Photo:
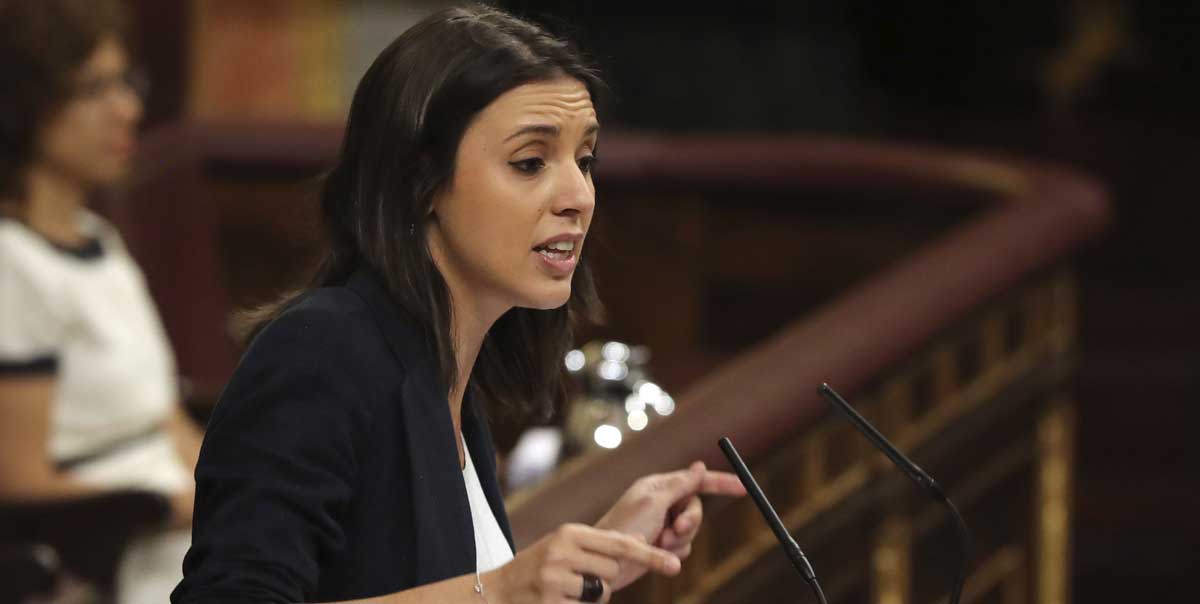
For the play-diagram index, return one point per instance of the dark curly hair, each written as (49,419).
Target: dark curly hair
(43,43)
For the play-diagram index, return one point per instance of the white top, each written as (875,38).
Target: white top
(87,319)
(491,548)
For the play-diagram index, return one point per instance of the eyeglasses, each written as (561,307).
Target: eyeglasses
(132,80)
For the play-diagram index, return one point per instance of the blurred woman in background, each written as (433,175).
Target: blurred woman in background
(88,394)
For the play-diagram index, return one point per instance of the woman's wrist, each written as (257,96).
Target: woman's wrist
(495,587)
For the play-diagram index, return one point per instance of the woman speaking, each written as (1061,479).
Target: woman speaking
(349,458)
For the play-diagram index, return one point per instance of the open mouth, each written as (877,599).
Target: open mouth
(559,250)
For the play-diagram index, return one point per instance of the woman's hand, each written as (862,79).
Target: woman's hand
(665,510)
(552,569)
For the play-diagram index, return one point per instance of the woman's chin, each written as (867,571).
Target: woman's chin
(551,299)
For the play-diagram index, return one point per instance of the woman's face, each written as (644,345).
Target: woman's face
(509,229)
(90,139)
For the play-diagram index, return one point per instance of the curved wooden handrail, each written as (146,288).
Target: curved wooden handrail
(1036,215)
(774,163)
(693,162)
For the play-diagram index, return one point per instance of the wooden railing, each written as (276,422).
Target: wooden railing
(961,350)
(954,331)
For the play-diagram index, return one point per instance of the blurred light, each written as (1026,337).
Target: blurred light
(650,393)
(634,403)
(665,405)
(608,436)
(615,351)
(613,370)
(575,360)
(638,420)
(534,456)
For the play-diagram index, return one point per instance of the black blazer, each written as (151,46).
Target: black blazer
(329,469)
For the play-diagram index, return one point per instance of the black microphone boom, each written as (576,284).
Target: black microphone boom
(914,472)
(790,547)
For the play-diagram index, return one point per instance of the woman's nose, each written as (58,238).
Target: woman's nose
(576,194)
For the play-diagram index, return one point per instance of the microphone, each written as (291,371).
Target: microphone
(915,473)
(790,547)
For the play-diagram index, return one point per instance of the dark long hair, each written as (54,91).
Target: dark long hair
(408,116)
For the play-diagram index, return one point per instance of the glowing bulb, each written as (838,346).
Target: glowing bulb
(650,392)
(634,403)
(608,436)
(665,405)
(638,420)
(613,370)
(615,351)
(575,360)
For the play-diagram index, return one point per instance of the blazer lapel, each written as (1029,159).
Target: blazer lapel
(440,501)
(439,497)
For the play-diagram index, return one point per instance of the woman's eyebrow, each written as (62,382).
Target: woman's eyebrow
(543,129)
(549,130)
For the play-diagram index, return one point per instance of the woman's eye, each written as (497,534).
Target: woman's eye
(528,166)
(587,163)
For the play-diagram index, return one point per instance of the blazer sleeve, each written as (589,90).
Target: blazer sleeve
(278,465)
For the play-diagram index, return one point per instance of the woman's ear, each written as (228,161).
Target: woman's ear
(435,200)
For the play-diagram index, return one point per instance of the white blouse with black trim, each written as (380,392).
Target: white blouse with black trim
(84,316)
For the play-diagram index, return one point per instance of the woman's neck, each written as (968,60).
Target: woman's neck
(472,313)
(52,206)
(469,328)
